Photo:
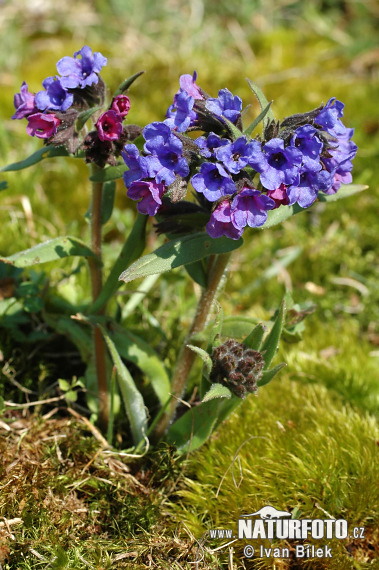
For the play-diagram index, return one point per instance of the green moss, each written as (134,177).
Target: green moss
(293,446)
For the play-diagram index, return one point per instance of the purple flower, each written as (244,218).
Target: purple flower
(279,195)
(306,190)
(209,144)
(121,105)
(249,208)
(226,105)
(340,164)
(166,149)
(81,72)
(180,114)
(24,103)
(213,181)
(329,116)
(137,164)
(282,164)
(149,193)
(42,125)
(310,146)
(157,131)
(238,154)
(221,224)
(109,126)
(187,84)
(55,97)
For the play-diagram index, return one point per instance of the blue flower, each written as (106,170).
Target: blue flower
(208,145)
(81,72)
(226,105)
(328,117)
(221,224)
(238,154)
(166,151)
(55,97)
(306,141)
(213,181)
(306,190)
(137,164)
(249,208)
(282,164)
(180,114)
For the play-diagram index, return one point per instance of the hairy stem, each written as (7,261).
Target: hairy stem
(187,356)
(96,283)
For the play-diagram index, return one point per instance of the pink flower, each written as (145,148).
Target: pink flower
(121,105)
(42,125)
(279,195)
(109,126)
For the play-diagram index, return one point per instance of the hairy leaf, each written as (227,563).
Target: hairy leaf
(50,251)
(178,252)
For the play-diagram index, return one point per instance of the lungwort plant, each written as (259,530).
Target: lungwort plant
(205,176)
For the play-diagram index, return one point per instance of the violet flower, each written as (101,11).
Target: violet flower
(24,103)
(213,181)
(226,105)
(81,72)
(55,97)
(221,224)
(149,193)
(249,208)
(282,164)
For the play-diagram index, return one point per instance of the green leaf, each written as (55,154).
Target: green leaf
(84,116)
(282,213)
(3,185)
(204,357)
(217,391)
(257,120)
(134,348)
(132,249)
(48,151)
(261,99)
(197,272)
(109,173)
(234,131)
(238,327)
(194,427)
(178,252)
(268,375)
(133,401)
(270,345)
(127,83)
(345,191)
(51,250)
(254,339)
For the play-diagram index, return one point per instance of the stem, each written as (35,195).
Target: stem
(97,283)
(187,356)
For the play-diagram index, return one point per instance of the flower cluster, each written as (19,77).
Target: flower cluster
(238,179)
(59,111)
(149,176)
(43,110)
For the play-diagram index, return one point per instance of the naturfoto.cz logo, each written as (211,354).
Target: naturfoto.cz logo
(275,524)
